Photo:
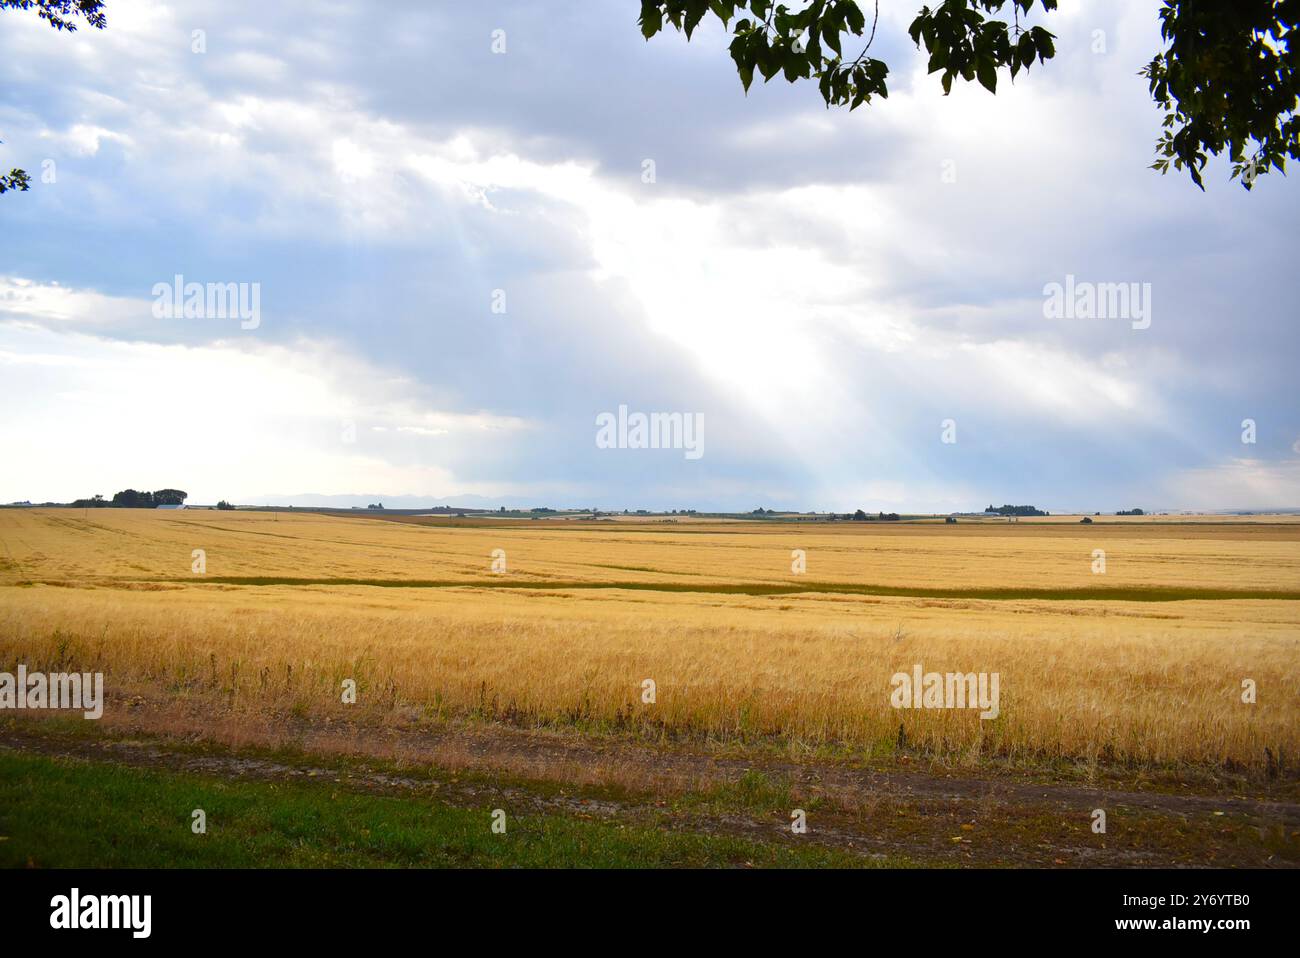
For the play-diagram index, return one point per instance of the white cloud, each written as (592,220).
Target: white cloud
(83,139)
(838,305)
(1240,484)
(50,303)
(223,421)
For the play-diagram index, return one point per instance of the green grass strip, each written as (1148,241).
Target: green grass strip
(60,812)
(1096,594)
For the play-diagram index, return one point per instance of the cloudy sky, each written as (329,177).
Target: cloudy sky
(460,264)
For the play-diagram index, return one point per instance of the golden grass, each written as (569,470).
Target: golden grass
(1080,678)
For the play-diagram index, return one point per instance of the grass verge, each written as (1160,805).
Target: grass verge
(59,812)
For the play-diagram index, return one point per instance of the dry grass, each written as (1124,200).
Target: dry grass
(1091,679)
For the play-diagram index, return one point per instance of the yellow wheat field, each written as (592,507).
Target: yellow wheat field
(1115,678)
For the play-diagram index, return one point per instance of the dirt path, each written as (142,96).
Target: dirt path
(926,817)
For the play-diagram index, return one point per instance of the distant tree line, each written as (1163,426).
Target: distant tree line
(1015,511)
(1130,512)
(134,499)
(859,516)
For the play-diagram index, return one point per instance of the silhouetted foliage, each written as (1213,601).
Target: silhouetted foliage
(61,15)
(15,179)
(1226,78)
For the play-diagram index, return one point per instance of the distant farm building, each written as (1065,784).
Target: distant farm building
(178,506)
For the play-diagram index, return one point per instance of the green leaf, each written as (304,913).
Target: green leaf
(856,19)
(793,64)
(724,10)
(1043,41)
(831,36)
(652,18)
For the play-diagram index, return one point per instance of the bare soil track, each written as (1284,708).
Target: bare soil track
(927,816)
